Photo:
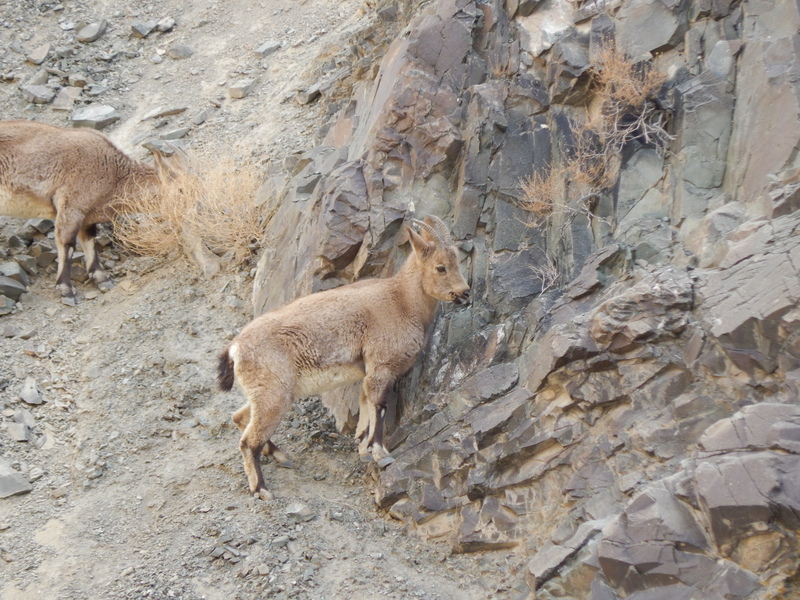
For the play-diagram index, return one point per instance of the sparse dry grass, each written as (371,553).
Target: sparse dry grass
(211,200)
(622,110)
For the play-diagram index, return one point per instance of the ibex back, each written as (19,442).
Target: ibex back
(74,176)
(371,330)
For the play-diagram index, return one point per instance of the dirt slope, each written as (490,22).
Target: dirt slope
(138,488)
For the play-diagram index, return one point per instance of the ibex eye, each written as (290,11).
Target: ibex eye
(441,269)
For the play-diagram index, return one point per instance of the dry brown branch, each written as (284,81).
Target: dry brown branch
(624,109)
(213,200)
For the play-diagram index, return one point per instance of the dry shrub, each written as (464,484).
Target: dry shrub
(624,94)
(211,200)
(539,193)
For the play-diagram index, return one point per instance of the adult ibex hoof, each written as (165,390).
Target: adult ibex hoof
(105,286)
(263,494)
(285,464)
(69,300)
(385,462)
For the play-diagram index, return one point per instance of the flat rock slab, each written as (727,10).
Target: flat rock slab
(92,32)
(95,116)
(12,482)
(38,94)
(241,88)
(11,288)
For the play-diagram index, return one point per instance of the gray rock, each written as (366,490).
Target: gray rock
(39,55)
(202,116)
(6,305)
(165,24)
(95,116)
(12,482)
(141,29)
(30,392)
(308,95)
(38,94)
(92,32)
(160,112)
(19,432)
(299,512)
(11,288)
(175,134)
(66,97)
(14,271)
(180,52)
(268,48)
(241,88)
(78,80)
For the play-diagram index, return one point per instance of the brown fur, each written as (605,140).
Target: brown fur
(371,330)
(74,176)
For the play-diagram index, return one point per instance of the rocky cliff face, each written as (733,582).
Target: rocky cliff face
(619,403)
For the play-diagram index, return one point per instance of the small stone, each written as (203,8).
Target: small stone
(308,96)
(30,392)
(166,24)
(11,288)
(180,52)
(92,294)
(19,432)
(14,271)
(6,305)
(95,116)
(12,482)
(39,55)
(241,88)
(161,111)
(66,97)
(201,117)
(175,134)
(268,48)
(78,80)
(23,415)
(299,512)
(35,473)
(92,32)
(38,94)
(141,29)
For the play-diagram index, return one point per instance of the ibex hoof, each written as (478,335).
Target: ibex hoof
(385,462)
(285,464)
(69,300)
(105,286)
(263,494)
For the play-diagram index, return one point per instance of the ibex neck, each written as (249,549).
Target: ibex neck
(420,305)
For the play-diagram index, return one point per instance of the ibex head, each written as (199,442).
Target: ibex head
(438,260)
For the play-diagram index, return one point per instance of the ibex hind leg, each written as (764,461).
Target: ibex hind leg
(242,417)
(87,239)
(65,244)
(267,407)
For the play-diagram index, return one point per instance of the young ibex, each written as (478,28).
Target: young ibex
(370,330)
(75,176)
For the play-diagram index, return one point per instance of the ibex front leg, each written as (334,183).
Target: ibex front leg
(372,409)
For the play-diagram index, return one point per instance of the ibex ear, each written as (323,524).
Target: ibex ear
(422,247)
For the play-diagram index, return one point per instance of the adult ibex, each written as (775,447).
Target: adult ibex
(77,177)
(370,330)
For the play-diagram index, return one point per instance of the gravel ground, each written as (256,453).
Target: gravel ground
(137,485)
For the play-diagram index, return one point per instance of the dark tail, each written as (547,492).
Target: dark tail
(225,371)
